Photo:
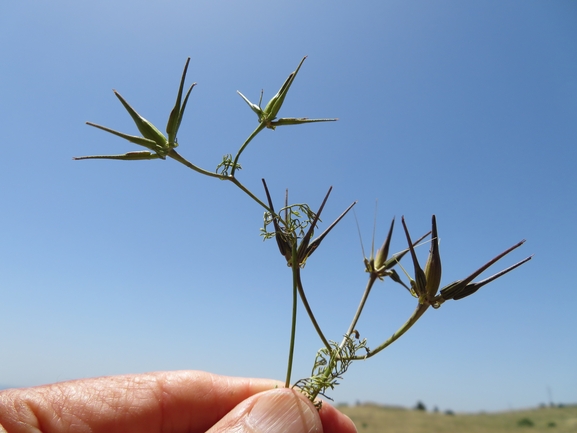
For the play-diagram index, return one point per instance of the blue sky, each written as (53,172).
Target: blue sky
(459,109)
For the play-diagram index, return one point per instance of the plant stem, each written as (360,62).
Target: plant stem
(309,310)
(247,192)
(176,156)
(335,353)
(259,128)
(419,311)
(295,267)
(370,284)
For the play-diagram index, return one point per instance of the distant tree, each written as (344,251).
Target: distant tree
(421,406)
(449,412)
(525,422)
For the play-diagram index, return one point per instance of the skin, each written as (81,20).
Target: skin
(179,401)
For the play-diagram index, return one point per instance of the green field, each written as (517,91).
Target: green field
(370,418)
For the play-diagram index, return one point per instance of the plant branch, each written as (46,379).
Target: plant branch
(176,156)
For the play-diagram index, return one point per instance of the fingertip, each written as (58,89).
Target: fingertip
(335,421)
(281,410)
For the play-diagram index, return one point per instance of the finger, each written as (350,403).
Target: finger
(335,421)
(280,410)
(283,410)
(181,401)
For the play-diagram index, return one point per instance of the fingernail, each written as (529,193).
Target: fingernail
(284,411)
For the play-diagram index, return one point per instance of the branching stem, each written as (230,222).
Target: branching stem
(176,156)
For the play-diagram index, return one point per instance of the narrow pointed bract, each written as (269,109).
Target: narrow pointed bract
(267,117)
(420,282)
(471,288)
(396,258)
(151,138)
(283,245)
(433,266)
(129,156)
(178,111)
(383,252)
(381,265)
(316,242)
(147,129)
(252,106)
(145,142)
(306,247)
(462,288)
(274,105)
(295,121)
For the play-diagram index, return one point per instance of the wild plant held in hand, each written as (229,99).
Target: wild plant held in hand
(293,227)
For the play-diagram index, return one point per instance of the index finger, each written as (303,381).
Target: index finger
(179,401)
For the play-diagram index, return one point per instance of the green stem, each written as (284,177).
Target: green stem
(295,266)
(247,192)
(353,324)
(309,310)
(259,128)
(419,311)
(335,355)
(373,277)
(176,156)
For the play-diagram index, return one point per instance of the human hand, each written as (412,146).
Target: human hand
(180,401)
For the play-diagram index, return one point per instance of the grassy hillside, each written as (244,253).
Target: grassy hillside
(371,418)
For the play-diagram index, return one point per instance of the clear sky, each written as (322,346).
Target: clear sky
(465,110)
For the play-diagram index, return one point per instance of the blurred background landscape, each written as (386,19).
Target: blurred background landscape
(463,110)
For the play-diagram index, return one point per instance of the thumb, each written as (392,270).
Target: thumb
(281,410)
